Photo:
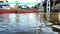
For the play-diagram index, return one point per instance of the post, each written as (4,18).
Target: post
(48,10)
(37,3)
(41,6)
(53,8)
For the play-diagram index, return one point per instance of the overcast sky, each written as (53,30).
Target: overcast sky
(26,1)
(31,1)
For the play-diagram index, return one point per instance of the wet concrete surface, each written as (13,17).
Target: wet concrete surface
(27,23)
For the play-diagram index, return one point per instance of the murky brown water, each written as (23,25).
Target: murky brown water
(55,17)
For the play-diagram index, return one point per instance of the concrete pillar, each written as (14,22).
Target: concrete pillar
(48,10)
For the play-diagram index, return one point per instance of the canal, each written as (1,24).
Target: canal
(25,23)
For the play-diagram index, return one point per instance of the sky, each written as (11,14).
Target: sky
(26,1)
(30,1)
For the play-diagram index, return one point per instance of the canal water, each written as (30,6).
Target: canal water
(26,23)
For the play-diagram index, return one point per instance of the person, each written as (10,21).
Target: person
(17,4)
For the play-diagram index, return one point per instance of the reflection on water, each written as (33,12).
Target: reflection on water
(27,23)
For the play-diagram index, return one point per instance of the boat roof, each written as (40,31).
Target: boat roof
(4,5)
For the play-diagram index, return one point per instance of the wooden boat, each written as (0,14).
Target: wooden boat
(20,11)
